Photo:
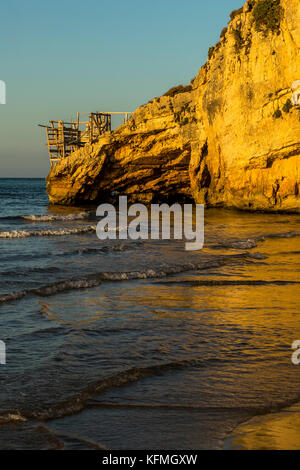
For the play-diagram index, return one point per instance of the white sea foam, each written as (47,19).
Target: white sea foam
(96,279)
(59,217)
(47,233)
(64,286)
(12,296)
(247,244)
(12,418)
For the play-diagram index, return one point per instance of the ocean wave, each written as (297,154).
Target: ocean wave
(31,270)
(102,249)
(86,398)
(47,233)
(121,379)
(94,280)
(12,418)
(66,438)
(64,286)
(80,401)
(59,217)
(257,256)
(106,248)
(12,296)
(236,244)
(250,243)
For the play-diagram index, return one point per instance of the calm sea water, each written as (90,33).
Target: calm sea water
(141,344)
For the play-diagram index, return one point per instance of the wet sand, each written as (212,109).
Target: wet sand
(274,431)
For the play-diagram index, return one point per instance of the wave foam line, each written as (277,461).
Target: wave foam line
(12,418)
(79,402)
(47,233)
(249,243)
(237,244)
(96,279)
(60,217)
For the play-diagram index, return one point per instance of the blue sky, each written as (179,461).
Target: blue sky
(64,56)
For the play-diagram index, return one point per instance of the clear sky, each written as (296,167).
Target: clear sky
(60,57)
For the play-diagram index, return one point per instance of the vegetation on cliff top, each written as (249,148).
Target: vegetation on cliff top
(267,15)
(234,13)
(178,89)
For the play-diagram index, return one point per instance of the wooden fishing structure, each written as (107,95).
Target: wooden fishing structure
(64,137)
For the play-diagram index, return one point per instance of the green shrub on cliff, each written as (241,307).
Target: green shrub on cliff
(239,41)
(178,89)
(211,52)
(267,15)
(213,49)
(234,13)
(277,114)
(223,32)
(287,106)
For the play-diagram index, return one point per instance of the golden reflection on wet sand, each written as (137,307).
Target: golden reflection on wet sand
(276,431)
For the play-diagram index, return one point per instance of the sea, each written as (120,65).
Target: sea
(140,344)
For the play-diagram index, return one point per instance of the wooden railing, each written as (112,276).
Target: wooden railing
(63,138)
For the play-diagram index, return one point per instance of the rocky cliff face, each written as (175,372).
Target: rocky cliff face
(147,158)
(231,141)
(247,152)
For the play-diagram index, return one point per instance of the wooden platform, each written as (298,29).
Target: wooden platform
(64,138)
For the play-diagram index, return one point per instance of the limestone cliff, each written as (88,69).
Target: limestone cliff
(247,151)
(147,158)
(233,140)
